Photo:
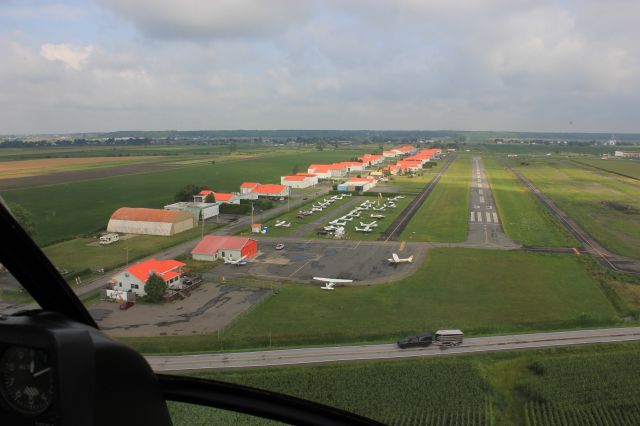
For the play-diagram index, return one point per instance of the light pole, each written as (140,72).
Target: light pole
(126,249)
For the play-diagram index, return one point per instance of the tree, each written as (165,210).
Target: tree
(187,192)
(155,288)
(209,198)
(24,218)
(320,145)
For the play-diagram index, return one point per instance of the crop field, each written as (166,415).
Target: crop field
(479,291)
(67,210)
(629,168)
(80,254)
(443,216)
(23,168)
(588,385)
(606,206)
(398,393)
(524,219)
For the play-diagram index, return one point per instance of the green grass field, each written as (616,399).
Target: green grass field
(67,210)
(606,206)
(79,254)
(524,219)
(588,385)
(629,168)
(479,291)
(443,216)
(414,184)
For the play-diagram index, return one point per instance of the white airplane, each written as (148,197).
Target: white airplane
(330,228)
(283,224)
(239,262)
(379,209)
(365,229)
(396,260)
(330,282)
(370,225)
(337,223)
(376,216)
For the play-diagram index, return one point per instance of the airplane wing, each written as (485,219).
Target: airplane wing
(332,280)
(395,257)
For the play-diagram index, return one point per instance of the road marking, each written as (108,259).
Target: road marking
(481,200)
(298,270)
(402,244)
(495,217)
(488,217)
(473,218)
(480,192)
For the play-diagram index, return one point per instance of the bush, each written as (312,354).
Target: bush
(235,208)
(155,288)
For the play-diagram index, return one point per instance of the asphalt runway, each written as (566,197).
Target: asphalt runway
(302,260)
(484,220)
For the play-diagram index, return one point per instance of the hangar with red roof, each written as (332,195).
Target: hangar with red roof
(129,220)
(213,247)
(135,277)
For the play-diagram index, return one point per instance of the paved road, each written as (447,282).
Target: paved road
(389,351)
(484,220)
(604,256)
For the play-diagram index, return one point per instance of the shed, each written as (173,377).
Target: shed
(214,247)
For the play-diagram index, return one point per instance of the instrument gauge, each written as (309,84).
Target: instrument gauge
(26,380)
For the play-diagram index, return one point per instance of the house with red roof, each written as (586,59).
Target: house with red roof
(135,277)
(371,159)
(297,181)
(270,190)
(226,198)
(322,171)
(202,195)
(392,168)
(410,166)
(213,247)
(246,187)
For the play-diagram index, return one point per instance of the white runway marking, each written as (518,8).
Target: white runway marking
(488,217)
(473,218)
(495,217)
(480,192)
(481,200)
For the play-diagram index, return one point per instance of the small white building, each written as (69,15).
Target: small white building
(295,181)
(134,278)
(213,247)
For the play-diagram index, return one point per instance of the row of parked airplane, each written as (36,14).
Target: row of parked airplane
(321,205)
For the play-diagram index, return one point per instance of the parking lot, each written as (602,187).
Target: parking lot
(301,260)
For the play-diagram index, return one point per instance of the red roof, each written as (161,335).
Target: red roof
(269,188)
(306,174)
(163,268)
(249,184)
(222,196)
(205,192)
(212,243)
(295,178)
(150,215)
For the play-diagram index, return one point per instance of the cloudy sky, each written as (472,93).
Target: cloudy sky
(102,65)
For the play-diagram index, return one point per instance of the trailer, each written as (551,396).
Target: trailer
(109,238)
(448,338)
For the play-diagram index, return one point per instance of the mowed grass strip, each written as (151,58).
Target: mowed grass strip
(523,218)
(79,254)
(606,206)
(67,210)
(479,291)
(414,184)
(630,168)
(444,215)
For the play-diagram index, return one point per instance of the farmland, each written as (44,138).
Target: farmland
(526,388)
(15,169)
(443,216)
(67,210)
(606,206)
(524,219)
(486,296)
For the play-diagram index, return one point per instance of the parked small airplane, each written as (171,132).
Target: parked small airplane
(379,209)
(283,224)
(373,224)
(330,282)
(396,260)
(337,223)
(376,216)
(238,262)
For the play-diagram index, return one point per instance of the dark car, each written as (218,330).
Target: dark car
(422,339)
